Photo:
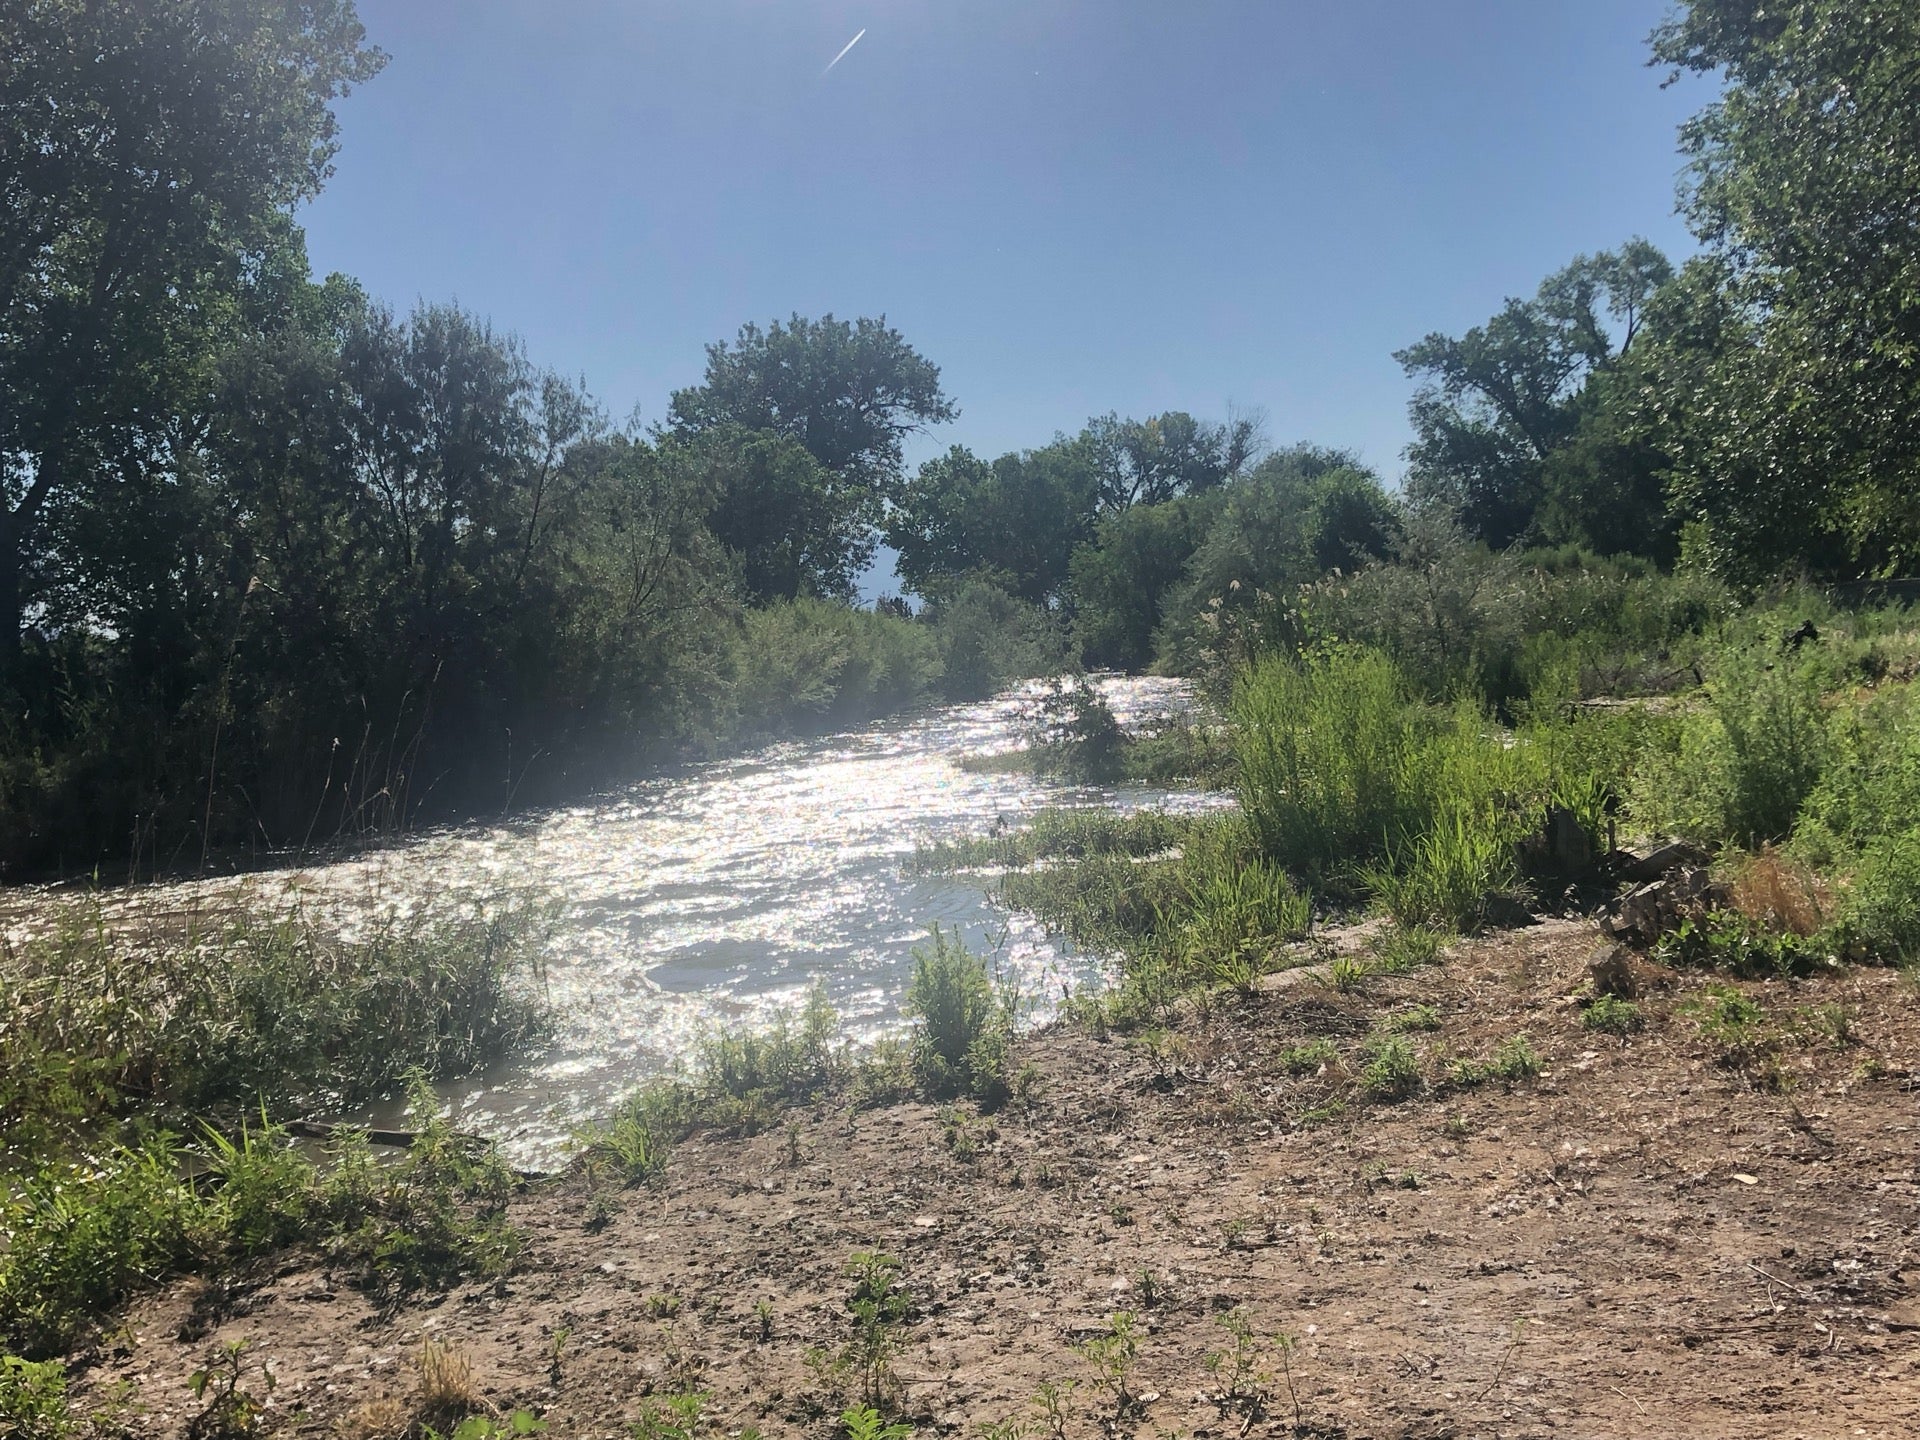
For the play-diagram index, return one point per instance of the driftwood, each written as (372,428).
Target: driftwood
(398,1139)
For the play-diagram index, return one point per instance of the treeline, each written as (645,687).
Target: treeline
(277,564)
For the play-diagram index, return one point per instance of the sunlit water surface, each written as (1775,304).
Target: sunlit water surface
(717,895)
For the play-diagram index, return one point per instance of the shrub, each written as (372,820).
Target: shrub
(963,1030)
(1611,1015)
(1753,755)
(1327,746)
(33,1400)
(1871,784)
(1880,916)
(810,665)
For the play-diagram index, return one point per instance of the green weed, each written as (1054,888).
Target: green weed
(1417,1017)
(1611,1015)
(1392,1071)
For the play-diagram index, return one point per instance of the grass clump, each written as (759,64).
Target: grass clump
(1611,1015)
(1416,1017)
(80,1238)
(1327,752)
(963,1024)
(1309,1058)
(1057,834)
(1392,1070)
(98,1024)
(1513,1059)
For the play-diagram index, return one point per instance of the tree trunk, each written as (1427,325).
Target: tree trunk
(10,556)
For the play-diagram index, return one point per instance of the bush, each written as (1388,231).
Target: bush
(811,665)
(80,1238)
(1749,759)
(1880,916)
(33,1400)
(1327,753)
(964,1029)
(986,639)
(96,1022)
(1870,786)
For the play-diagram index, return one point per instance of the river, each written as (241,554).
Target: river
(718,894)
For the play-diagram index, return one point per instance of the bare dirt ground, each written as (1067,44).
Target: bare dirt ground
(1639,1241)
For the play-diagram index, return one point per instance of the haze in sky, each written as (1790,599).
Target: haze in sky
(1071,206)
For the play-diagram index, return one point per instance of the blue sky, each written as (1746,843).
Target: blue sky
(1071,206)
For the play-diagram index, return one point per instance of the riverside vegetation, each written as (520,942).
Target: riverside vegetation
(278,567)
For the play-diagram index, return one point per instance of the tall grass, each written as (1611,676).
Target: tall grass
(1328,744)
(99,1022)
(78,1239)
(1351,781)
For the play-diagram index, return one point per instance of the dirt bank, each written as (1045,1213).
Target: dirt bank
(1641,1240)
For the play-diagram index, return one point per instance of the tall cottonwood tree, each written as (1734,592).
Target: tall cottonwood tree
(149,157)
(1790,390)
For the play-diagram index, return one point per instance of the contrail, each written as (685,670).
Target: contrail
(843,54)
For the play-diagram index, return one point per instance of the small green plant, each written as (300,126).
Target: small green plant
(1418,1017)
(1392,1071)
(878,1308)
(1112,1358)
(1611,1015)
(227,1410)
(485,1427)
(33,1400)
(1149,1287)
(556,1350)
(863,1422)
(1347,974)
(763,1321)
(661,1307)
(1237,1367)
(1736,1026)
(1053,1403)
(1310,1057)
(676,1416)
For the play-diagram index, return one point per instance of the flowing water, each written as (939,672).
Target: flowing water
(719,894)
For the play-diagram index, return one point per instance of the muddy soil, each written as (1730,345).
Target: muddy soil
(1641,1240)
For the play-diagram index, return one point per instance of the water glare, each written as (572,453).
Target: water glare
(718,894)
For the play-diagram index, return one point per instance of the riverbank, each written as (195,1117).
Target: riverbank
(1701,1225)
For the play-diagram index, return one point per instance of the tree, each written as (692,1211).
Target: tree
(798,527)
(1496,404)
(1300,513)
(849,392)
(1792,397)
(1149,462)
(1121,577)
(1016,519)
(151,155)
(845,394)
